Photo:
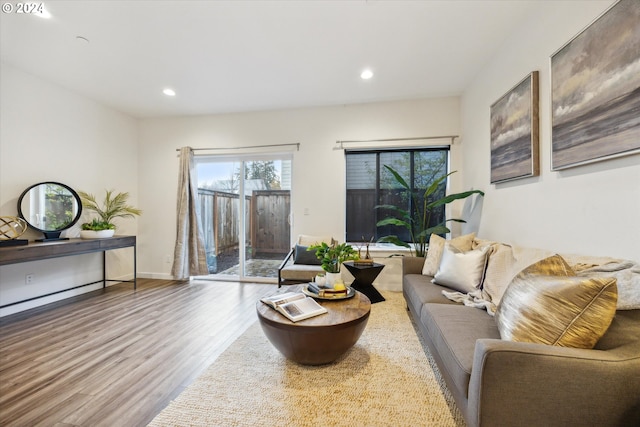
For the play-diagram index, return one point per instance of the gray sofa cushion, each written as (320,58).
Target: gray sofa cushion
(419,290)
(621,338)
(453,330)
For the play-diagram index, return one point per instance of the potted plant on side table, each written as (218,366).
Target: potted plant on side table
(113,206)
(332,257)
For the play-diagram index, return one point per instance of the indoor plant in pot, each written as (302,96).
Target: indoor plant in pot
(332,257)
(418,220)
(113,206)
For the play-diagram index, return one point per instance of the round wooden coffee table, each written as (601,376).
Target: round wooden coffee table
(320,339)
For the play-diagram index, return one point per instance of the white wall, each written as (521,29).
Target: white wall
(318,169)
(592,209)
(48,133)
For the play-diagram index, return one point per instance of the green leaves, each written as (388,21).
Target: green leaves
(394,221)
(398,178)
(96,225)
(435,184)
(451,197)
(113,206)
(393,239)
(333,256)
(417,222)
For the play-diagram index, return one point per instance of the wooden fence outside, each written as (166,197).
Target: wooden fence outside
(270,230)
(268,212)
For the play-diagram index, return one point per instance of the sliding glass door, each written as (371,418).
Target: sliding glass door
(244,211)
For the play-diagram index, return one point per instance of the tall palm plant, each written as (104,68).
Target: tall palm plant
(417,220)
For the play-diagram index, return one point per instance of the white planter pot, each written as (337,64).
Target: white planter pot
(101,234)
(332,278)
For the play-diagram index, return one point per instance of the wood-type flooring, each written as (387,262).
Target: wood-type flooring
(117,357)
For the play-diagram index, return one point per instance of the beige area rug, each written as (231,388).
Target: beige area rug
(386,379)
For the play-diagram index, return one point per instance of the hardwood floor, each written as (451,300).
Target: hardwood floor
(117,357)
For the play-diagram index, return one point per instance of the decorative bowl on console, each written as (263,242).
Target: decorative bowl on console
(97,234)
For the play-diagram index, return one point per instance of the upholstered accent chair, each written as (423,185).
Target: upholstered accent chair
(301,265)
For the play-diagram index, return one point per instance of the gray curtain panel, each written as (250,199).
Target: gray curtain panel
(189,257)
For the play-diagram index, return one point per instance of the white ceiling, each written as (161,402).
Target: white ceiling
(232,56)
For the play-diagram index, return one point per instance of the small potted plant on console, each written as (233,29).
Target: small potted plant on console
(113,206)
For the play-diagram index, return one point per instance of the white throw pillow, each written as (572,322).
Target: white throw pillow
(462,271)
(436,246)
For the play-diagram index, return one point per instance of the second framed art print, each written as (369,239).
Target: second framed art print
(515,132)
(595,90)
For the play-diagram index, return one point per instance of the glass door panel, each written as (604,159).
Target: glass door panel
(244,212)
(218,193)
(267,226)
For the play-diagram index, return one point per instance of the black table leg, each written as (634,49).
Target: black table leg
(364,276)
(368,289)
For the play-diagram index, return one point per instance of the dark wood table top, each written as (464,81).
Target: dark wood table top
(36,251)
(361,266)
(340,312)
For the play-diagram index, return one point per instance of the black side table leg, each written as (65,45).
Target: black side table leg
(369,291)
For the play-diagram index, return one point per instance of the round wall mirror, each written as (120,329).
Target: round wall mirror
(50,207)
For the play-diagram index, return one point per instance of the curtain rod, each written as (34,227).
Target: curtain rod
(297,144)
(451,137)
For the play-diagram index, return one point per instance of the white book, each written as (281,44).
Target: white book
(294,306)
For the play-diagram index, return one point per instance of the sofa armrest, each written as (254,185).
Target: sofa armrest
(412,265)
(533,384)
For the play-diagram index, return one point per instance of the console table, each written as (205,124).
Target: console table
(36,251)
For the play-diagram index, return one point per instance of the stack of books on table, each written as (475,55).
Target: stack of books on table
(327,291)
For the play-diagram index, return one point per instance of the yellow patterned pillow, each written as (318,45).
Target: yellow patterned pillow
(545,303)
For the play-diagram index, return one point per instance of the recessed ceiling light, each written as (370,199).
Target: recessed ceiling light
(366,74)
(169,92)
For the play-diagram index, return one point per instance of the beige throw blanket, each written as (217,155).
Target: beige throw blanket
(506,261)
(626,272)
(477,299)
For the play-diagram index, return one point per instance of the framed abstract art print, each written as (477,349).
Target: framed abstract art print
(595,90)
(515,132)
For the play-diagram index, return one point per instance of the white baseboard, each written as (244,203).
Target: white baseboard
(161,276)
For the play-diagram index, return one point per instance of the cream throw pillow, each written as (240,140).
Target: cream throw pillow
(308,240)
(462,271)
(505,262)
(499,272)
(546,303)
(436,247)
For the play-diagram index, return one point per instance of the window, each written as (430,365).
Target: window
(370,184)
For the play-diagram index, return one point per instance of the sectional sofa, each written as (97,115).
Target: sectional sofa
(501,376)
